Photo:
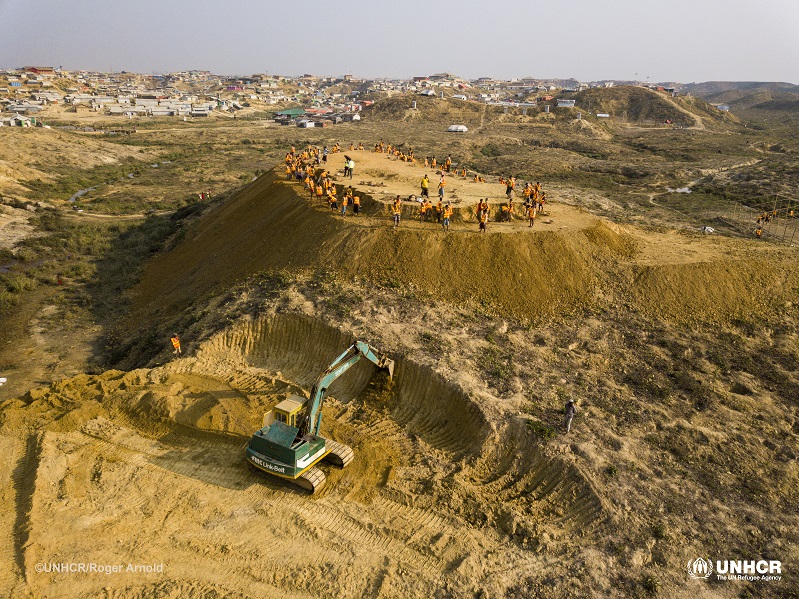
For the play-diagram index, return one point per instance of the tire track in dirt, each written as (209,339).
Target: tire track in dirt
(182,589)
(333,519)
(12,456)
(24,479)
(226,469)
(311,515)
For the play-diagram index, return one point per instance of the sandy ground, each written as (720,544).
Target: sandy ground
(44,343)
(384,177)
(442,495)
(14,226)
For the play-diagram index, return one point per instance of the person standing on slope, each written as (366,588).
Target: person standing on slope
(447,216)
(570,410)
(176,345)
(396,211)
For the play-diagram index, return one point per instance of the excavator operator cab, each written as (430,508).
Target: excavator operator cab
(289,411)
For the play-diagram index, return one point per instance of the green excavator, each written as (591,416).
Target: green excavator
(289,445)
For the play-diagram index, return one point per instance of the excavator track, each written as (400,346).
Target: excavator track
(340,454)
(311,480)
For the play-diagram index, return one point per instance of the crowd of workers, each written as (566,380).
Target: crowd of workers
(766,217)
(308,167)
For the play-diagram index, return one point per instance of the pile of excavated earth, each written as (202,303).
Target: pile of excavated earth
(451,493)
(554,268)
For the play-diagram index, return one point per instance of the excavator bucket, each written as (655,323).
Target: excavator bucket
(388,364)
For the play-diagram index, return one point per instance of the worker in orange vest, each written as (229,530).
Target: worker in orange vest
(483,221)
(447,216)
(176,344)
(531,214)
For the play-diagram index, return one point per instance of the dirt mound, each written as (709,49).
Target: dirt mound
(718,291)
(588,129)
(612,237)
(268,226)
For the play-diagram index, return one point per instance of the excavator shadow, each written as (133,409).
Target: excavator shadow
(213,457)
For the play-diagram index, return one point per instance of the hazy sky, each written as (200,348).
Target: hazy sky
(668,40)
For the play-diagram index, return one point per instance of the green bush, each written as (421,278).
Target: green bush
(498,367)
(651,585)
(491,151)
(19,283)
(540,430)
(7,300)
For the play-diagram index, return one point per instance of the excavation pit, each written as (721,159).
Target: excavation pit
(435,490)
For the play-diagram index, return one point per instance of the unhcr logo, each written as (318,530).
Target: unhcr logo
(749,570)
(700,568)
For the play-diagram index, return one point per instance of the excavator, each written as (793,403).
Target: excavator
(289,446)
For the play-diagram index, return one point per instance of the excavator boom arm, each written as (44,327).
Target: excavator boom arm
(351,356)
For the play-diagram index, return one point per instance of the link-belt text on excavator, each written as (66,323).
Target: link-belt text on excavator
(268,466)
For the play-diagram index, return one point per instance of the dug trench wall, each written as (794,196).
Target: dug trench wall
(424,413)
(299,347)
(445,484)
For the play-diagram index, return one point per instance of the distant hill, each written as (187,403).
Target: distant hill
(399,108)
(744,95)
(710,88)
(785,104)
(635,104)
